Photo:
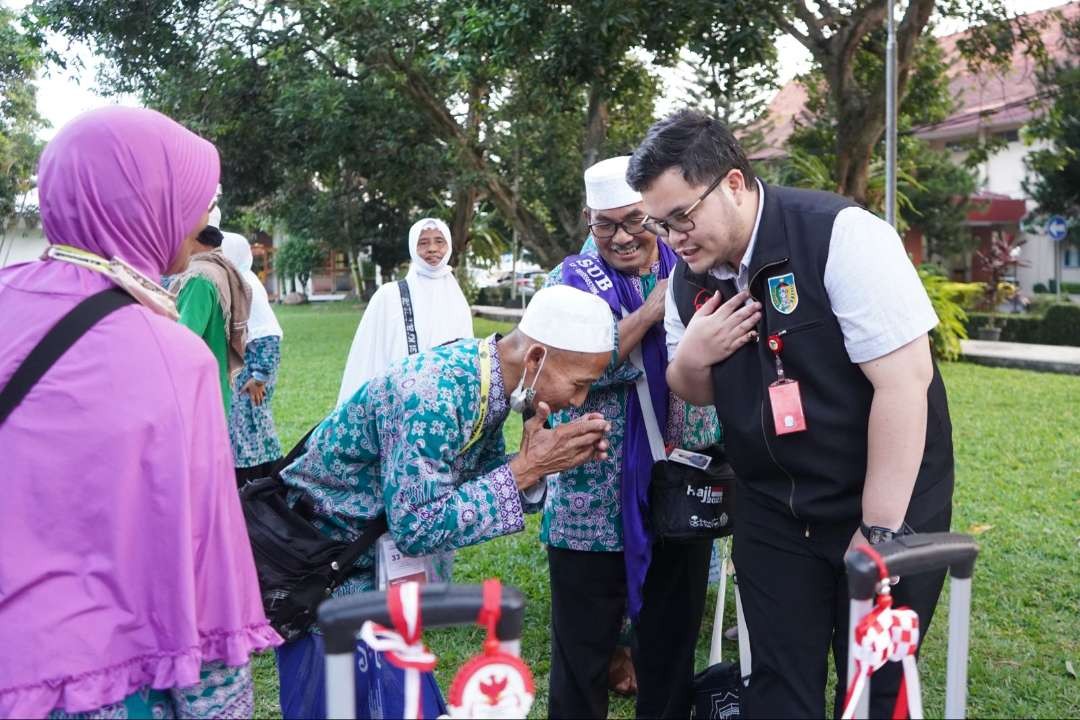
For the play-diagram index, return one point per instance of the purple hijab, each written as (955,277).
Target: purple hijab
(124,561)
(590,273)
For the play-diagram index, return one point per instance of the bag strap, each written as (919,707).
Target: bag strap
(410,319)
(652,428)
(297,450)
(342,565)
(65,333)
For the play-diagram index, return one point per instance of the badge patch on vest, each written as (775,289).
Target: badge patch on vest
(783,294)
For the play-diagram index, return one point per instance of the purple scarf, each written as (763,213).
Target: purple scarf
(590,273)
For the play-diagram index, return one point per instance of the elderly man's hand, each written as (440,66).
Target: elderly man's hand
(545,451)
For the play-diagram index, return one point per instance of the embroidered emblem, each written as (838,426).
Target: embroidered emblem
(783,294)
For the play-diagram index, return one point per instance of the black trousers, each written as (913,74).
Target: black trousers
(794,595)
(588,602)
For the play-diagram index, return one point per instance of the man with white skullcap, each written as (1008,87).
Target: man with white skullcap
(602,559)
(421,448)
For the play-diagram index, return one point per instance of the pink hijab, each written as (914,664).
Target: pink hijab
(124,561)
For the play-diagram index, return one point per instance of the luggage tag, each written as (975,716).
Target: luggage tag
(495,683)
(693,459)
(784,396)
(395,567)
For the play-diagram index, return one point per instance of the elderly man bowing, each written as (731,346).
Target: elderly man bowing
(423,444)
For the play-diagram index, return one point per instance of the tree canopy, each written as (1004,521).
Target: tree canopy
(345,119)
(19,120)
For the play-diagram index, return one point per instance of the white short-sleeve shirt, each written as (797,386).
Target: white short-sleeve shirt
(873,288)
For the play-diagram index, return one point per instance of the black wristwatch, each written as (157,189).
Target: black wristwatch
(876,534)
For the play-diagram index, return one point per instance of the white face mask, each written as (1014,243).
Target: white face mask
(521,399)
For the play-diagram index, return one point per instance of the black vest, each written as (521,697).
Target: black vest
(816,475)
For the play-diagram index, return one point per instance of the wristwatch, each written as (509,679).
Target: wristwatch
(875,534)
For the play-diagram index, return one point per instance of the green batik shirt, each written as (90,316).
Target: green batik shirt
(397,446)
(583,510)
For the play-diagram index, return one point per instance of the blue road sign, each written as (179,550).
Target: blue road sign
(1057,228)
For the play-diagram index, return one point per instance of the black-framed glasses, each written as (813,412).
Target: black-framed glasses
(680,222)
(606,229)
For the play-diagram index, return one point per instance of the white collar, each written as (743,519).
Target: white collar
(723,272)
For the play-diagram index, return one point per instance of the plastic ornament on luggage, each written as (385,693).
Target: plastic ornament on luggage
(493,684)
(886,634)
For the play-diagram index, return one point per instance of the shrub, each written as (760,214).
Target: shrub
(1061,325)
(1066,287)
(948,297)
(1015,327)
(1041,302)
(1040,288)
(468,287)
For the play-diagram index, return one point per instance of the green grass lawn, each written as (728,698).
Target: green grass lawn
(1018,490)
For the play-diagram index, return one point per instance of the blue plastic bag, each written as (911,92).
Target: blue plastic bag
(380,687)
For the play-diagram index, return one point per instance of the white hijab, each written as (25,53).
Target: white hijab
(440,314)
(262,322)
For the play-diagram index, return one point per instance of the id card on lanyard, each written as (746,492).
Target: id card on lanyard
(784,395)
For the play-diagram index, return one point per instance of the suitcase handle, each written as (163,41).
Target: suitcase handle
(441,605)
(911,554)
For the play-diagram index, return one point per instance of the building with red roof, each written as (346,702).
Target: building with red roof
(989,103)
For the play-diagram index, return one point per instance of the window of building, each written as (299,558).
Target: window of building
(1009,135)
(1072,258)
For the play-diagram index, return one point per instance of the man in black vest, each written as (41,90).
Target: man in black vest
(800,316)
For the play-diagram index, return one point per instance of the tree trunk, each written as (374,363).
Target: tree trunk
(464,212)
(860,108)
(534,233)
(354,270)
(596,125)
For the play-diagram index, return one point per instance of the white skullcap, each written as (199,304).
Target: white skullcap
(606,186)
(566,318)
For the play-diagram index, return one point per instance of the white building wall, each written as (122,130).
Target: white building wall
(1004,173)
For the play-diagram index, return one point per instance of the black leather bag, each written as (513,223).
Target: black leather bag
(298,566)
(688,503)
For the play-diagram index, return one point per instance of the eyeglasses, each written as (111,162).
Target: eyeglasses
(606,229)
(680,222)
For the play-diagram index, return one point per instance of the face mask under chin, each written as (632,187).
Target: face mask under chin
(522,399)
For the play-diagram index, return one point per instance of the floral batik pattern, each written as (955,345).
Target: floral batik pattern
(222,692)
(251,427)
(398,446)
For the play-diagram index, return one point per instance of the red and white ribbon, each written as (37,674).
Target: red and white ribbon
(402,646)
(887,634)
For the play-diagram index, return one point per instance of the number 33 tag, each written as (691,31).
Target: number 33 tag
(787,408)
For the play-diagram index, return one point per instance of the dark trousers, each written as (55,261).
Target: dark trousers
(588,601)
(794,595)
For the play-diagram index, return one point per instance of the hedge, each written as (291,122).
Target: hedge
(1060,326)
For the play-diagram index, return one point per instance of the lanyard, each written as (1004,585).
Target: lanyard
(485,392)
(147,292)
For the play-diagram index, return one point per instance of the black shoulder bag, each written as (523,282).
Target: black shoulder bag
(56,342)
(685,503)
(298,565)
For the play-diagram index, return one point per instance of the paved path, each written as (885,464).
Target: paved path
(500,314)
(1047,358)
